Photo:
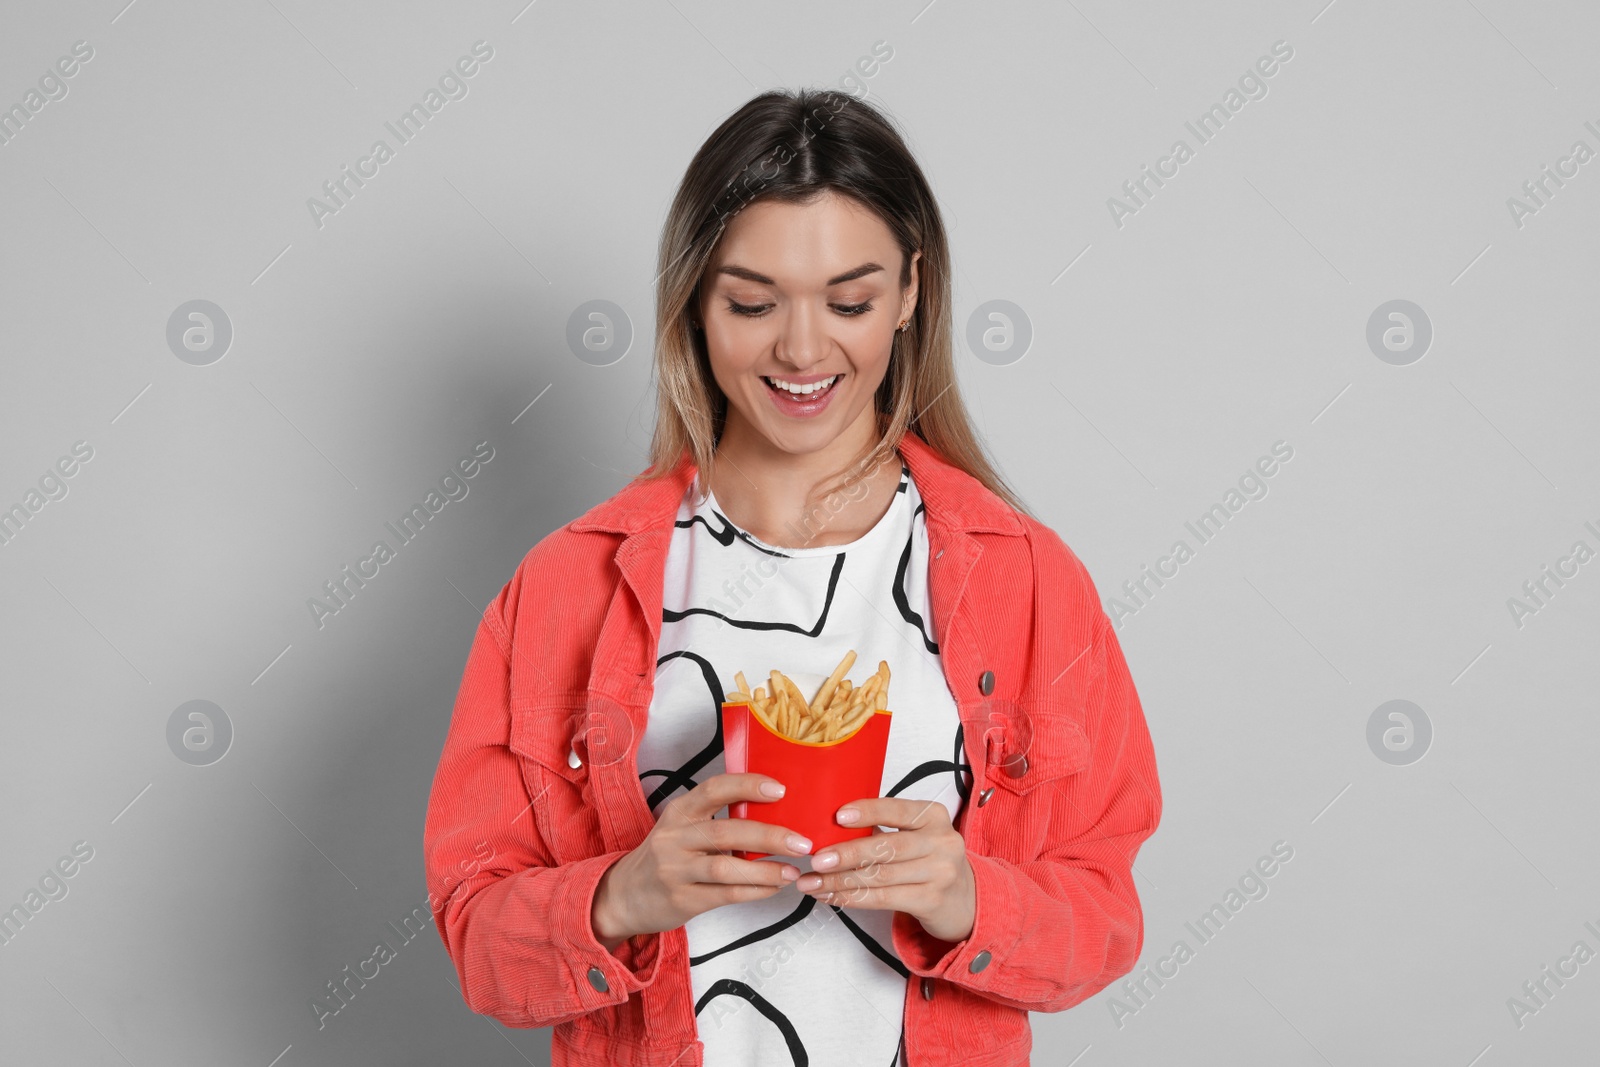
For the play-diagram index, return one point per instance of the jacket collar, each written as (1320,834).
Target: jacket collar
(953,497)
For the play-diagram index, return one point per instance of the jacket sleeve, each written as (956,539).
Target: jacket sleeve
(1062,927)
(516,926)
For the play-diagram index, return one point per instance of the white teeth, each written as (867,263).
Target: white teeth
(803,390)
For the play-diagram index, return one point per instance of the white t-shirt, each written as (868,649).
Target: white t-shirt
(775,976)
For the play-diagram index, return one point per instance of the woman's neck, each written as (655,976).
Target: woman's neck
(779,497)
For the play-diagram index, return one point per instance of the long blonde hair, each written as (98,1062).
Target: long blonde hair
(793,147)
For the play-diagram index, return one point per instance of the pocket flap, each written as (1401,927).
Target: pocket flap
(1053,745)
(544,734)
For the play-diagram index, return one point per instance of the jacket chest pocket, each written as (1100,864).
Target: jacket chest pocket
(1031,762)
(556,772)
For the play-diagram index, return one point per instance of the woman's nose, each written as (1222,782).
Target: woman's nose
(802,342)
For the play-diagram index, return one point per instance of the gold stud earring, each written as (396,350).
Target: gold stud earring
(902,326)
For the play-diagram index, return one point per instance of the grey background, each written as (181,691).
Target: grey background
(1167,355)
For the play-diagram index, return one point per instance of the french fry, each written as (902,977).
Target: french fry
(860,709)
(838,707)
(857,719)
(831,732)
(791,719)
(760,712)
(865,695)
(825,694)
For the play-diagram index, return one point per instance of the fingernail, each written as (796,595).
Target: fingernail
(790,873)
(824,861)
(808,883)
(848,816)
(798,844)
(772,789)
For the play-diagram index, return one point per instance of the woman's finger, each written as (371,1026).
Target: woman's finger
(718,869)
(910,872)
(907,898)
(883,846)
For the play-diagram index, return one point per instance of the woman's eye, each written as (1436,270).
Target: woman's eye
(752,310)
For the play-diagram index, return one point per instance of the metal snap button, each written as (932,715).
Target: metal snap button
(979,962)
(597,978)
(1017,767)
(983,797)
(572,759)
(927,989)
(986,682)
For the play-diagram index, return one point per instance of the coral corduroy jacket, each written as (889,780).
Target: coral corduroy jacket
(537,793)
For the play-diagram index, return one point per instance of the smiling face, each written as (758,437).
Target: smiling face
(799,305)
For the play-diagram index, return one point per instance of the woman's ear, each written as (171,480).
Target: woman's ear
(908,301)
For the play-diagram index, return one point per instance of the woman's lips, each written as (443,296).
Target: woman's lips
(805,406)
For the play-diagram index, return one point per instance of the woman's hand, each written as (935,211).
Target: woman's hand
(922,869)
(682,868)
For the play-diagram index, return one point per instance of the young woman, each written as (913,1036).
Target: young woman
(815,487)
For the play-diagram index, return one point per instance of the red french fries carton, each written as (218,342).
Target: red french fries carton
(820,777)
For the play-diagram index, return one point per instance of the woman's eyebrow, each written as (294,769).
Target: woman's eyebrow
(756,276)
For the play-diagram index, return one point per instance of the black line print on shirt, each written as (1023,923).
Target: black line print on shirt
(668,615)
(962,772)
(683,777)
(963,768)
(732,987)
(889,959)
(901,600)
(922,770)
(728,533)
(801,910)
